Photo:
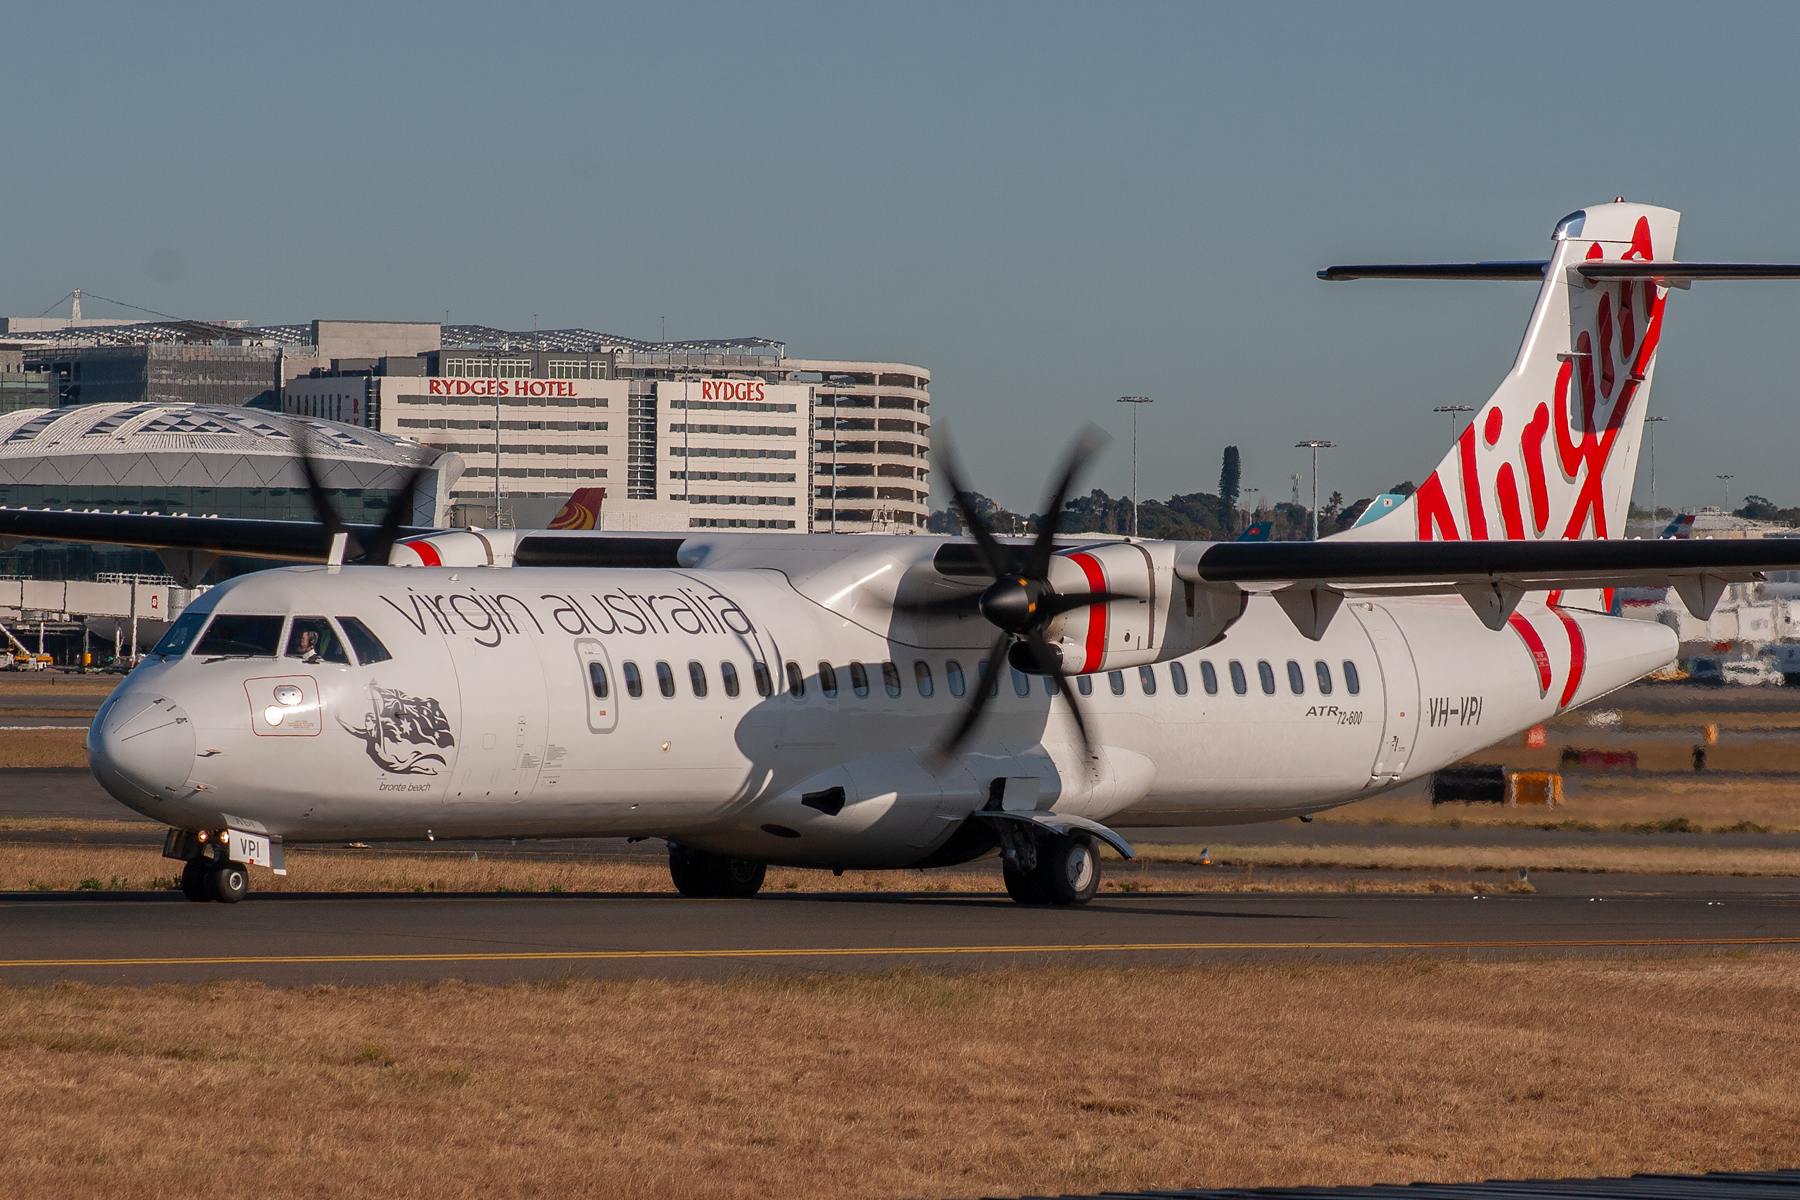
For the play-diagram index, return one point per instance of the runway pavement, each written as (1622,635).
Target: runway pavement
(289,939)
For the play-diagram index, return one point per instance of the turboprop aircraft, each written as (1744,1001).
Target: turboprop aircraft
(899,702)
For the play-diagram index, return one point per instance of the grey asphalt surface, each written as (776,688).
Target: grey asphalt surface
(127,938)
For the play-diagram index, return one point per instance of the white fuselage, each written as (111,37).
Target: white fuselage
(485,722)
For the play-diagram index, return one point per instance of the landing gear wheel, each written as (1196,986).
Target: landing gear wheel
(740,878)
(193,880)
(1068,870)
(689,869)
(228,882)
(1022,886)
(700,874)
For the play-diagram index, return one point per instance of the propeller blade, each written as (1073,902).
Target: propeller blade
(987,684)
(399,512)
(323,508)
(991,553)
(1086,446)
(1051,607)
(1049,659)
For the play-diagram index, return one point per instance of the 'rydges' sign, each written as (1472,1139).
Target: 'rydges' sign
(503,387)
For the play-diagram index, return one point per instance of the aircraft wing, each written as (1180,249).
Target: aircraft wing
(1491,576)
(293,541)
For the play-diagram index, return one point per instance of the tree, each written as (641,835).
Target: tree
(1403,489)
(1231,474)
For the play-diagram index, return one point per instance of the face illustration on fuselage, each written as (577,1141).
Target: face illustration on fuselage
(374,703)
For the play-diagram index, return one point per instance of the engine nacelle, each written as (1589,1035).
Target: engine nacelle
(1166,617)
(456,548)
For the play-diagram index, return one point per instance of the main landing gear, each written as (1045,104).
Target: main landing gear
(205,879)
(702,874)
(1048,868)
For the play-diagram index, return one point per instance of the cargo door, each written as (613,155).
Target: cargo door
(1399,689)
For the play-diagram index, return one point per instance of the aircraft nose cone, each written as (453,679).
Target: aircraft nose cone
(142,748)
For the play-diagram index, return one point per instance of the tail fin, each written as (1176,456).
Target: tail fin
(581,510)
(1554,451)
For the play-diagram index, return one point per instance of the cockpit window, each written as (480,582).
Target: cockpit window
(368,647)
(180,635)
(240,635)
(314,640)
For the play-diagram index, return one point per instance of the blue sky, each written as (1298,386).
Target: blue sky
(1047,205)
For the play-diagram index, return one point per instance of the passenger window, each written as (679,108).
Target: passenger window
(765,687)
(728,676)
(992,685)
(1239,684)
(1050,688)
(1116,679)
(597,679)
(180,635)
(634,683)
(1323,671)
(314,640)
(697,679)
(1147,680)
(828,680)
(1209,679)
(1266,674)
(1352,684)
(796,680)
(368,647)
(890,678)
(954,676)
(1178,677)
(922,677)
(238,635)
(665,679)
(859,679)
(1021,683)
(1084,684)
(1296,678)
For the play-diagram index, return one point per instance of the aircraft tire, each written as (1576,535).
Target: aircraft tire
(1022,886)
(693,872)
(1068,870)
(193,880)
(228,882)
(740,878)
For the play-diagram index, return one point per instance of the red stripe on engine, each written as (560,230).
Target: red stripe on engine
(1096,637)
(1535,644)
(426,552)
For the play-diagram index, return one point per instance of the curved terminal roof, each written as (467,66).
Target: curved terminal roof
(191,445)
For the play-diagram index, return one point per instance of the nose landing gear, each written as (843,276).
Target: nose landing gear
(204,879)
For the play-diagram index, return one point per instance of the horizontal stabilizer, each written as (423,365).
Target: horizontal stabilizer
(292,541)
(1680,274)
(1532,269)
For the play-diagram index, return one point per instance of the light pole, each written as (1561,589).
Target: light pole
(1655,515)
(1453,410)
(1727,479)
(1134,401)
(1317,446)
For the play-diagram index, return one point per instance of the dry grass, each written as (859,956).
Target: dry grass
(1625,801)
(61,868)
(1039,1081)
(34,683)
(43,747)
(1645,860)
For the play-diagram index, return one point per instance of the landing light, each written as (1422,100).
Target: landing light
(272,714)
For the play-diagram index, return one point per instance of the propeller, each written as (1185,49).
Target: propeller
(1021,601)
(399,509)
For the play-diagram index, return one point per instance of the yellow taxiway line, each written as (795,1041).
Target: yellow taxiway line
(887,951)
